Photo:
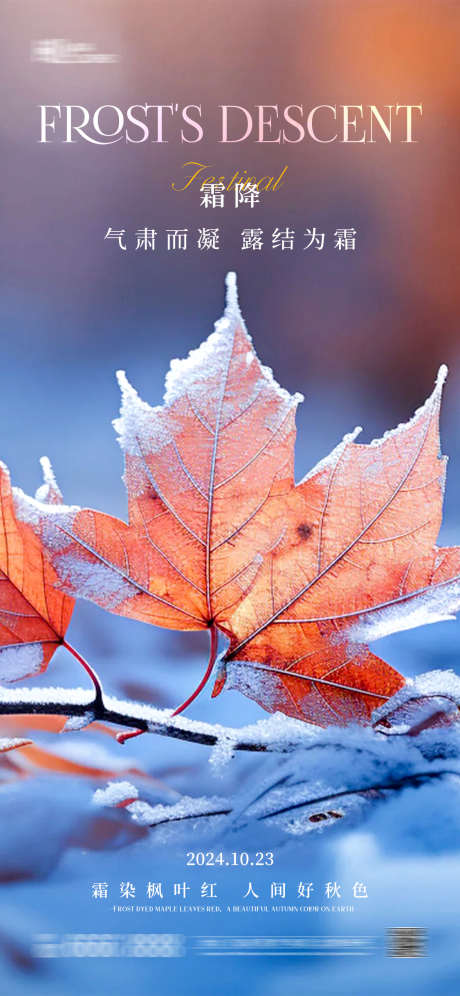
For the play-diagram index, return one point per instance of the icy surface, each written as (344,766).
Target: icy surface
(311,778)
(335,780)
(32,842)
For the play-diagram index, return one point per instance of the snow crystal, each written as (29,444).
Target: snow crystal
(186,374)
(142,812)
(93,580)
(186,808)
(222,752)
(320,771)
(321,783)
(114,793)
(139,426)
(49,490)
(17,662)
(279,729)
(48,516)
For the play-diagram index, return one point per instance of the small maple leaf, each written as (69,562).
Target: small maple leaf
(34,614)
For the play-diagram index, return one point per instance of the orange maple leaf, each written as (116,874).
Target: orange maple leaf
(34,614)
(299,577)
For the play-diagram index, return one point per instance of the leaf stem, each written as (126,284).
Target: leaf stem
(89,670)
(213,634)
(123,737)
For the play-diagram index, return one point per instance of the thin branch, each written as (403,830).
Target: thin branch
(77,702)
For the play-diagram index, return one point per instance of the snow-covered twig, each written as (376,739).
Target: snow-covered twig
(429,700)
(77,703)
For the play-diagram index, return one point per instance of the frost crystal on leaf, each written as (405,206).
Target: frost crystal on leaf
(114,793)
(17,662)
(54,519)
(93,580)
